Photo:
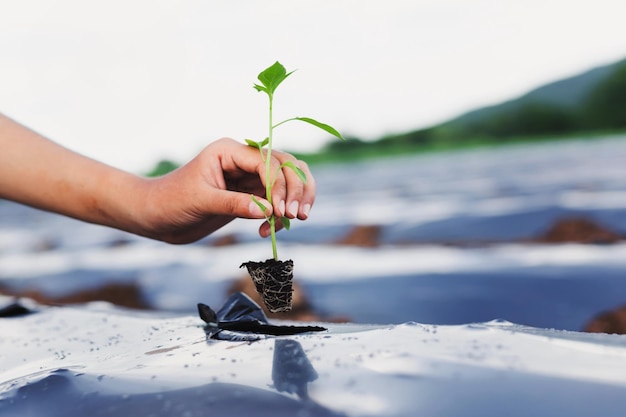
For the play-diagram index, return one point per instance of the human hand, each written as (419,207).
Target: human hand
(215,187)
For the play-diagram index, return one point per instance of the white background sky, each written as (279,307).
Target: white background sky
(130,82)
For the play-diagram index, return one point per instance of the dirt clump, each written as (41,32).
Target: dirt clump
(362,235)
(127,295)
(578,230)
(613,321)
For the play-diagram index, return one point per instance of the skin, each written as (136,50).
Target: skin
(181,207)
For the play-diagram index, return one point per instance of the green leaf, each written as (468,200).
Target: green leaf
(252,143)
(259,88)
(257,145)
(271,77)
(286,222)
(300,173)
(258,203)
(321,125)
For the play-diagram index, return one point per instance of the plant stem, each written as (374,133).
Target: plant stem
(269,182)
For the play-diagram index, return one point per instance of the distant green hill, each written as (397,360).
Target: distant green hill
(591,103)
(567,93)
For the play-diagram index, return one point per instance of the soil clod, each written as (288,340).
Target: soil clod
(273,280)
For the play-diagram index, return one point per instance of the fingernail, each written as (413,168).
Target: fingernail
(306,209)
(255,210)
(281,207)
(293,208)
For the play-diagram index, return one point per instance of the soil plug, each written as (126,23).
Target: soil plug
(273,280)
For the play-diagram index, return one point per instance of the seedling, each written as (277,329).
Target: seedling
(262,275)
(270,79)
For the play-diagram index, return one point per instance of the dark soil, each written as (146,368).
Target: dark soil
(613,321)
(127,295)
(273,280)
(579,230)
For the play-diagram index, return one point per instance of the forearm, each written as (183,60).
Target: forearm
(43,174)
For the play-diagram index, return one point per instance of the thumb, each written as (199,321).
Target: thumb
(247,206)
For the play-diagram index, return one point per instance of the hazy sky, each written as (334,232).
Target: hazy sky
(131,81)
